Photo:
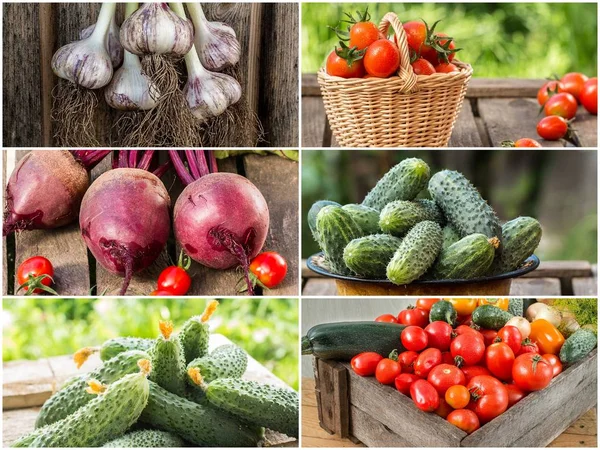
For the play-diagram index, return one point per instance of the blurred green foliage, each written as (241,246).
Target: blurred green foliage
(267,328)
(526,40)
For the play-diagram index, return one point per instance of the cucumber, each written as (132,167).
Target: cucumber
(366,218)
(416,254)
(344,340)
(312,215)
(114,346)
(146,439)
(199,424)
(490,317)
(400,216)
(450,235)
(463,206)
(226,361)
(336,229)
(443,311)
(404,181)
(578,346)
(194,333)
(369,256)
(168,367)
(261,404)
(520,238)
(471,257)
(515,307)
(74,395)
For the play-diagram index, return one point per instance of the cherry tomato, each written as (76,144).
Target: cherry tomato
(175,279)
(563,105)
(35,275)
(573,83)
(416,34)
(450,46)
(467,349)
(522,143)
(413,316)
(549,89)
(426,361)
(489,397)
(489,336)
(447,358)
(389,318)
(589,95)
(458,396)
(404,381)
(382,58)
(363,34)
(546,336)
(528,347)
(501,303)
(515,394)
(444,376)
(531,372)
(422,67)
(407,361)
(464,419)
(388,369)
(343,62)
(424,396)
(270,268)
(365,364)
(160,293)
(474,371)
(444,409)
(446,68)
(439,335)
(466,329)
(552,128)
(426,303)
(499,359)
(511,336)
(554,362)
(463,306)
(414,338)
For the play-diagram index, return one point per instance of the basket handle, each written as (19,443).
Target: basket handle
(405,71)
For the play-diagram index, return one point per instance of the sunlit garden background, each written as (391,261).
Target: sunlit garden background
(36,328)
(521,40)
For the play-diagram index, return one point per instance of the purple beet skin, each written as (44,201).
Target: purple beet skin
(125,221)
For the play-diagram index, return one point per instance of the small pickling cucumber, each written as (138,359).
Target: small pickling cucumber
(515,307)
(312,215)
(114,346)
(520,238)
(450,235)
(168,363)
(194,334)
(471,257)
(366,218)
(490,317)
(369,256)
(147,439)
(401,215)
(226,361)
(443,311)
(578,346)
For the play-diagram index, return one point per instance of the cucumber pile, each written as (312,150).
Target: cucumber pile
(164,392)
(452,235)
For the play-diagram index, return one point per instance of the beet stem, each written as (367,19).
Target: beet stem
(123,163)
(182,172)
(192,163)
(89,158)
(227,240)
(202,163)
(146,160)
(162,169)
(133,154)
(212,159)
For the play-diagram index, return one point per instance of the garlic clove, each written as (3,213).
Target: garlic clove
(130,89)
(111,43)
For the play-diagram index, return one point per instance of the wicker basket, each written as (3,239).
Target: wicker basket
(407,110)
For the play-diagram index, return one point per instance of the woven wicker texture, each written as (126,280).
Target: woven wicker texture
(402,111)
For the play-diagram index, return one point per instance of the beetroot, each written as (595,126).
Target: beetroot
(46,188)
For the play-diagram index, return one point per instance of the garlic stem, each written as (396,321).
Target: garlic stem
(178,9)
(130,8)
(107,12)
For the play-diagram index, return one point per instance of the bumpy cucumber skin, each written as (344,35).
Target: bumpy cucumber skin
(471,257)
(515,306)
(104,418)
(168,367)
(226,361)
(193,338)
(463,206)
(369,256)
(404,181)
(312,215)
(400,216)
(366,218)
(336,229)
(450,235)
(199,424)
(520,238)
(578,346)
(114,346)
(147,439)
(416,254)
(262,404)
(490,317)
(73,396)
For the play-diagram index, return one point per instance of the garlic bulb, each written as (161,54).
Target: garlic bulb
(112,43)
(208,94)
(155,29)
(216,42)
(130,89)
(86,62)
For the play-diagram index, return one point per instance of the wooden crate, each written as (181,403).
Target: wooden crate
(361,409)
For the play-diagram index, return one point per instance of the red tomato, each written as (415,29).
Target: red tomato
(531,372)
(174,279)
(489,397)
(450,46)
(515,394)
(365,364)
(458,396)
(413,316)
(573,83)
(270,268)
(549,89)
(474,371)
(160,293)
(382,58)
(465,320)
(416,34)
(528,347)
(511,336)
(589,95)
(447,358)
(444,409)
(446,68)
(439,335)
(489,336)
(426,361)
(430,54)
(363,34)
(404,381)
(422,67)
(465,329)
(563,105)
(414,338)
(388,369)
(424,396)
(341,62)
(526,142)
(464,419)
(552,128)
(426,303)
(35,275)
(407,361)
(467,349)
(554,362)
(499,359)
(390,318)
(444,376)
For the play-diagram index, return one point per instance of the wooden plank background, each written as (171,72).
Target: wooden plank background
(267,71)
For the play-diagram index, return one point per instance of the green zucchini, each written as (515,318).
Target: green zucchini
(400,216)
(344,340)
(443,311)
(369,256)
(578,346)
(520,238)
(471,257)
(366,218)
(490,317)
(312,215)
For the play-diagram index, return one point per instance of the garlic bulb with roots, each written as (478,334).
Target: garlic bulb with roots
(216,42)
(87,62)
(208,94)
(112,43)
(130,89)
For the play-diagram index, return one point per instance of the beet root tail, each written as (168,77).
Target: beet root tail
(128,276)
(227,240)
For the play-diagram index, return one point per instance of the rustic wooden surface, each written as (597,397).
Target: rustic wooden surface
(494,110)
(267,71)
(28,384)
(76,271)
